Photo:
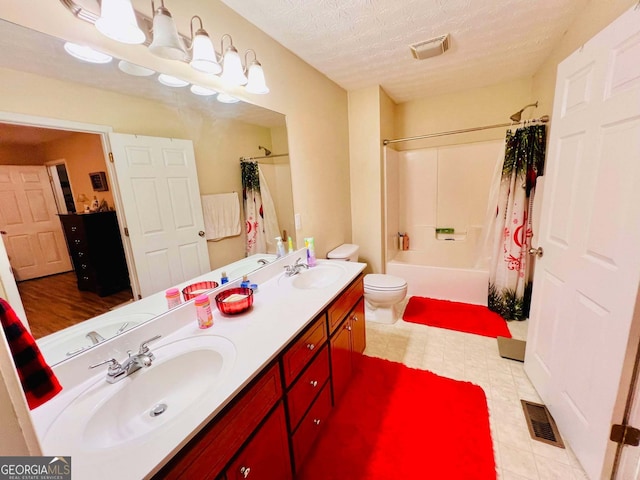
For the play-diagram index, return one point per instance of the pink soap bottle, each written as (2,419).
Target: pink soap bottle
(203,311)
(173,298)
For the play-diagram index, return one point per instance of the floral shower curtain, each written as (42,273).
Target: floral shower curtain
(261,222)
(510,276)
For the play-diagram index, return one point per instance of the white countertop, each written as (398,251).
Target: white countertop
(279,313)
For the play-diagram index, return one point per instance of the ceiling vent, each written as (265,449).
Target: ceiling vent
(430,48)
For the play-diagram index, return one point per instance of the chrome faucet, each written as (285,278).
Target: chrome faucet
(291,270)
(117,371)
(95,337)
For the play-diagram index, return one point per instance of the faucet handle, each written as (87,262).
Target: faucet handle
(114,366)
(144,348)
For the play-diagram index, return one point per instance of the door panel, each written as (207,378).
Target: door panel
(34,239)
(586,283)
(159,188)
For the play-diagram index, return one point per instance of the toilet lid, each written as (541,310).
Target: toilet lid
(378,281)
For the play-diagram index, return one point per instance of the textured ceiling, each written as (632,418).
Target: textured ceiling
(361,43)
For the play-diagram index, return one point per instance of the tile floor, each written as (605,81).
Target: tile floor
(475,358)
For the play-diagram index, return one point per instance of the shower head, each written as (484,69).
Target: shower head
(267,152)
(518,115)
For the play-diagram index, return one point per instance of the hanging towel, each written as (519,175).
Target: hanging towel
(221,213)
(38,380)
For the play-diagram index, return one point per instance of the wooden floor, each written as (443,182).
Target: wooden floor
(54,302)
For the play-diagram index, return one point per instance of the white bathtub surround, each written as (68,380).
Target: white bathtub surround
(457,284)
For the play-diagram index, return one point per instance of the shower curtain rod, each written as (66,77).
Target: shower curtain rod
(543,119)
(249,159)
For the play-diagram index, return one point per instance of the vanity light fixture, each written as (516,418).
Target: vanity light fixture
(256,82)
(118,22)
(226,98)
(171,81)
(86,54)
(166,41)
(203,55)
(135,70)
(232,70)
(202,91)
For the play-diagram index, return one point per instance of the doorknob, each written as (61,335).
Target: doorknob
(538,252)
(3,232)
(201,233)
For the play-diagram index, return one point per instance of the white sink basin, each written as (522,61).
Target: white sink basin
(183,374)
(320,276)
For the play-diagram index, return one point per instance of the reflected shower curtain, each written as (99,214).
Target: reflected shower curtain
(261,222)
(509,272)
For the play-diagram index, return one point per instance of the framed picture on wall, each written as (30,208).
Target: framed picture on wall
(99,181)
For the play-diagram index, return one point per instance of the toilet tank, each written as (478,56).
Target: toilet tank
(347,252)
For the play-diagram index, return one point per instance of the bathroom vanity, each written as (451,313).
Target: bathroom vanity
(244,399)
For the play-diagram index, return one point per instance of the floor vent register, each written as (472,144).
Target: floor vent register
(541,425)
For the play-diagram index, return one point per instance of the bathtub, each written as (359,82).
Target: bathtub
(425,278)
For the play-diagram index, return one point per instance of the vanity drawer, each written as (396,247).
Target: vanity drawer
(307,387)
(302,350)
(343,304)
(310,426)
(206,455)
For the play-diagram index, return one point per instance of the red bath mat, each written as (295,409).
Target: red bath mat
(396,422)
(462,317)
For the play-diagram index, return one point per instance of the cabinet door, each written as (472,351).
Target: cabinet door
(341,366)
(358,330)
(266,456)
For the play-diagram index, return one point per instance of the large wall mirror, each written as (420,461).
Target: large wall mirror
(43,81)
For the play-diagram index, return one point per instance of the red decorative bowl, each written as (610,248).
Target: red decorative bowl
(234,300)
(192,291)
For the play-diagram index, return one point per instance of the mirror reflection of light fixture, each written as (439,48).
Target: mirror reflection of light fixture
(86,54)
(232,70)
(202,91)
(166,41)
(118,22)
(171,81)
(135,70)
(203,55)
(226,98)
(256,82)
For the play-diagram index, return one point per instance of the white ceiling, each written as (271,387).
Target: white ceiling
(362,43)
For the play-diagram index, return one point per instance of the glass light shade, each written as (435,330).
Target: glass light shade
(232,70)
(203,57)
(171,81)
(226,98)
(118,22)
(86,54)
(135,70)
(256,83)
(166,41)
(198,90)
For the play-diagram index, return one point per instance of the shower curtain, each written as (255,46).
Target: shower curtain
(261,221)
(509,274)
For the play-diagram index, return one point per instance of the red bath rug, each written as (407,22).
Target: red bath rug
(462,317)
(396,422)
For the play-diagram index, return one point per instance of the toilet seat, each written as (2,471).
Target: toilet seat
(378,282)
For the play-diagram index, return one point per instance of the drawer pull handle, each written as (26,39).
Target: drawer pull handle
(310,346)
(316,421)
(354,318)
(313,383)
(77,242)
(74,228)
(348,327)
(245,471)
(85,278)
(80,254)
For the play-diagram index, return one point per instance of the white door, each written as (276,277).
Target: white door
(158,185)
(586,283)
(31,229)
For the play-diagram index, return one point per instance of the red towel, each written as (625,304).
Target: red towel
(38,380)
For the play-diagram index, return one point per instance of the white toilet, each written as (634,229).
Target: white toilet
(383,294)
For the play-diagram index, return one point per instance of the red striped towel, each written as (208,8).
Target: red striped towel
(38,380)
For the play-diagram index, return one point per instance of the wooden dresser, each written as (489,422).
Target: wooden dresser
(96,250)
